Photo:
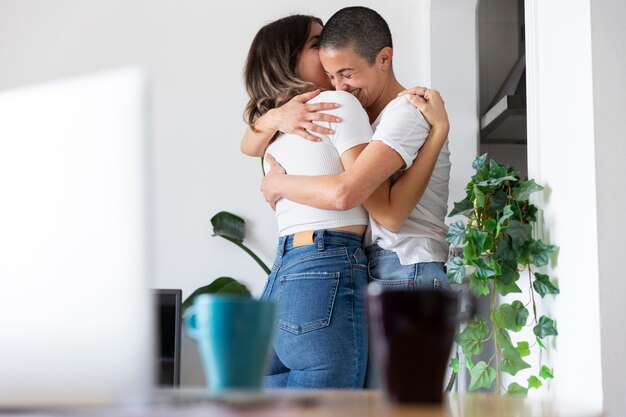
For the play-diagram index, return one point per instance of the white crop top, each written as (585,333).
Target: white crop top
(302,157)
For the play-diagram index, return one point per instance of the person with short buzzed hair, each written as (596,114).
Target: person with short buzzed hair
(320,269)
(356,52)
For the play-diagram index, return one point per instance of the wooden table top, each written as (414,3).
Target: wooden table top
(366,403)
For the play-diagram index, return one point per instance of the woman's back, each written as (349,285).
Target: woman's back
(303,157)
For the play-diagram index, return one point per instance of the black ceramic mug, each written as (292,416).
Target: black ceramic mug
(411,334)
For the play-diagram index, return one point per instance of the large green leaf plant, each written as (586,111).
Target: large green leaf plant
(232,228)
(498,244)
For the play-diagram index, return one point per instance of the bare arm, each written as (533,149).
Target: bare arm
(390,205)
(368,170)
(374,165)
(295,116)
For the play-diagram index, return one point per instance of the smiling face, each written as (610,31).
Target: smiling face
(348,71)
(309,67)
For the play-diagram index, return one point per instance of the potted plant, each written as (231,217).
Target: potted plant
(233,229)
(498,244)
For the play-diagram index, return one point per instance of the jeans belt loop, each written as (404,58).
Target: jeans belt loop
(320,239)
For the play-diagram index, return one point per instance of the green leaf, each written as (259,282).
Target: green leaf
(516,389)
(498,202)
(463,208)
(514,173)
(226,224)
(520,233)
(489,225)
(534,382)
(454,364)
(478,239)
(456,270)
(456,234)
(546,372)
(484,270)
(479,323)
(511,316)
(479,197)
(481,376)
(525,189)
(468,362)
(471,340)
(540,252)
(221,285)
(545,327)
(507,213)
(503,339)
(512,362)
(540,343)
(233,229)
(478,286)
(469,253)
(530,213)
(504,289)
(504,250)
(488,245)
(498,174)
(523,348)
(479,162)
(509,272)
(543,285)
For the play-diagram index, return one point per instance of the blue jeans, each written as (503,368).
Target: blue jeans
(321,333)
(385,269)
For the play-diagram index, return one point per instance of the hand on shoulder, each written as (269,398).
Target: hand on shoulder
(430,103)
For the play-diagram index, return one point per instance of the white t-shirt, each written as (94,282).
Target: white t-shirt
(402,127)
(302,157)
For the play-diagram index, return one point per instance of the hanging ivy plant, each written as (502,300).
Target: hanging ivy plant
(497,244)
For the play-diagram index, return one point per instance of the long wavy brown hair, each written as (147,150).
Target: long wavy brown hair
(270,71)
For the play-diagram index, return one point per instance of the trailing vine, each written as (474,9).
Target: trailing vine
(497,244)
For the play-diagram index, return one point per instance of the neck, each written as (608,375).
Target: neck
(390,92)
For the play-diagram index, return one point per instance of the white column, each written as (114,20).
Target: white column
(608,46)
(561,156)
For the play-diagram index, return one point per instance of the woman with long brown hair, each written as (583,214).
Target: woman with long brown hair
(320,271)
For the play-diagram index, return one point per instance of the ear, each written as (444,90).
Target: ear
(385,57)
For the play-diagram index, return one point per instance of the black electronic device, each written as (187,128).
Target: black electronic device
(168,333)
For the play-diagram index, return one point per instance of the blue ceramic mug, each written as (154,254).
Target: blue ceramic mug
(234,336)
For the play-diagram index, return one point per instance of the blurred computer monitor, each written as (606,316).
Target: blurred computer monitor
(75,300)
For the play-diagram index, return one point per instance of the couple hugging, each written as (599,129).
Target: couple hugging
(357,172)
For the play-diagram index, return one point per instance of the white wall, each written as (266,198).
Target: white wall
(608,37)
(561,150)
(193,52)
(454,72)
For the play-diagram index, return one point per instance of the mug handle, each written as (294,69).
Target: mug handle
(468,313)
(190,323)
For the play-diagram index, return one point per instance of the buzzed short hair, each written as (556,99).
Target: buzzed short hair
(357,27)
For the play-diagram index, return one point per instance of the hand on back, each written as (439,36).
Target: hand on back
(297,117)
(267,184)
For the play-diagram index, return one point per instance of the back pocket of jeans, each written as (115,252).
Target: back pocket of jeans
(386,270)
(306,301)
(439,285)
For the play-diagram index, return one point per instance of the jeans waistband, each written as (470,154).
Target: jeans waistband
(373,249)
(323,238)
